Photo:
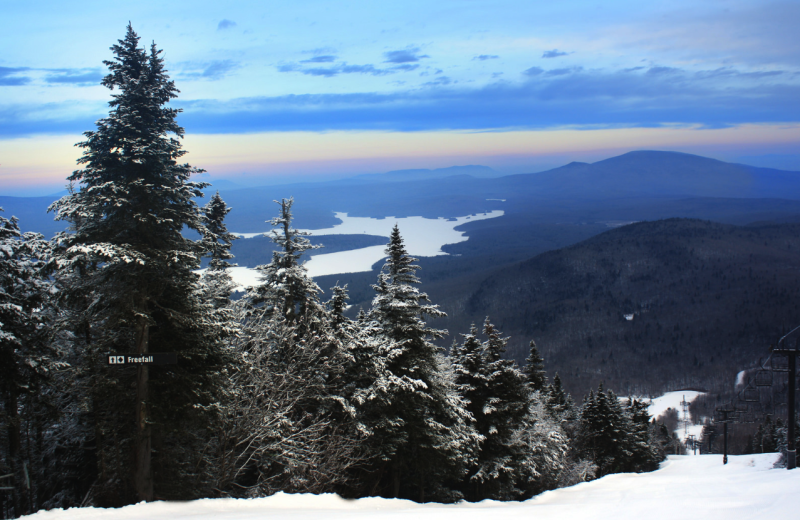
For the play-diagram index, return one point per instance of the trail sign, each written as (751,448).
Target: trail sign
(160,358)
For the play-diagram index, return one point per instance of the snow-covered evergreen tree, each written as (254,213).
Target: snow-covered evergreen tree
(421,434)
(616,439)
(545,462)
(645,453)
(135,289)
(534,369)
(28,363)
(559,403)
(217,244)
(289,427)
(285,289)
(497,396)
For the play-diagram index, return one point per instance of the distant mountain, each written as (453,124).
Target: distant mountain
(425,174)
(657,174)
(650,306)
(32,213)
(640,185)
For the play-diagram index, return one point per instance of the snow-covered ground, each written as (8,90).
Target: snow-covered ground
(673,400)
(747,488)
(659,405)
(422,237)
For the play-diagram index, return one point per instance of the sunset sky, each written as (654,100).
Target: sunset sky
(282,91)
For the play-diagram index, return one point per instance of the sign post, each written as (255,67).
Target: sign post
(158,358)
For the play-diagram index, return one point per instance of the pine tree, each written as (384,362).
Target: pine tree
(217,244)
(497,397)
(289,427)
(645,454)
(28,362)
(605,432)
(285,288)
(559,403)
(419,428)
(534,369)
(544,463)
(134,281)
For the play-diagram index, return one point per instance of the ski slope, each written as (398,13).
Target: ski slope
(695,487)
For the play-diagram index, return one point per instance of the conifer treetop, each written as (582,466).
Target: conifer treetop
(132,188)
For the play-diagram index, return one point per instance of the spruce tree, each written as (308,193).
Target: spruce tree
(497,397)
(285,289)
(127,207)
(289,427)
(420,431)
(217,244)
(605,432)
(644,448)
(28,363)
(559,403)
(534,369)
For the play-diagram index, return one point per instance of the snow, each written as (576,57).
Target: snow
(673,400)
(740,378)
(422,237)
(747,488)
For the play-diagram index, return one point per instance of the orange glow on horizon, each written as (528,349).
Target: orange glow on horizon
(50,159)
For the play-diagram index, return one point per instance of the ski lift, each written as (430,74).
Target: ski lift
(741,407)
(779,363)
(750,395)
(727,407)
(763,378)
(723,416)
(747,418)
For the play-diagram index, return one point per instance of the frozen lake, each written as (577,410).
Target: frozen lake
(422,237)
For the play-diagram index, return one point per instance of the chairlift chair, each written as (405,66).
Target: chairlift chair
(726,407)
(750,395)
(763,378)
(723,416)
(741,407)
(779,362)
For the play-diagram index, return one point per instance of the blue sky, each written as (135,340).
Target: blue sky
(719,78)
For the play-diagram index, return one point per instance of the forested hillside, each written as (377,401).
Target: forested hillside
(645,307)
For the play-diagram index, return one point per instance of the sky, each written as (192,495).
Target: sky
(286,91)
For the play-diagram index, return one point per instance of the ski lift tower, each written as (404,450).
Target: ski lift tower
(791,353)
(685,404)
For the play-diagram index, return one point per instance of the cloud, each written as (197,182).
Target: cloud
(662,70)
(484,57)
(211,70)
(9,76)
(409,55)
(562,72)
(225,24)
(579,97)
(439,81)
(555,53)
(407,67)
(79,77)
(344,68)
(328,58)
(533,71)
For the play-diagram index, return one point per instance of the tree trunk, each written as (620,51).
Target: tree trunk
(143,474)
(19,495)
(396,478)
